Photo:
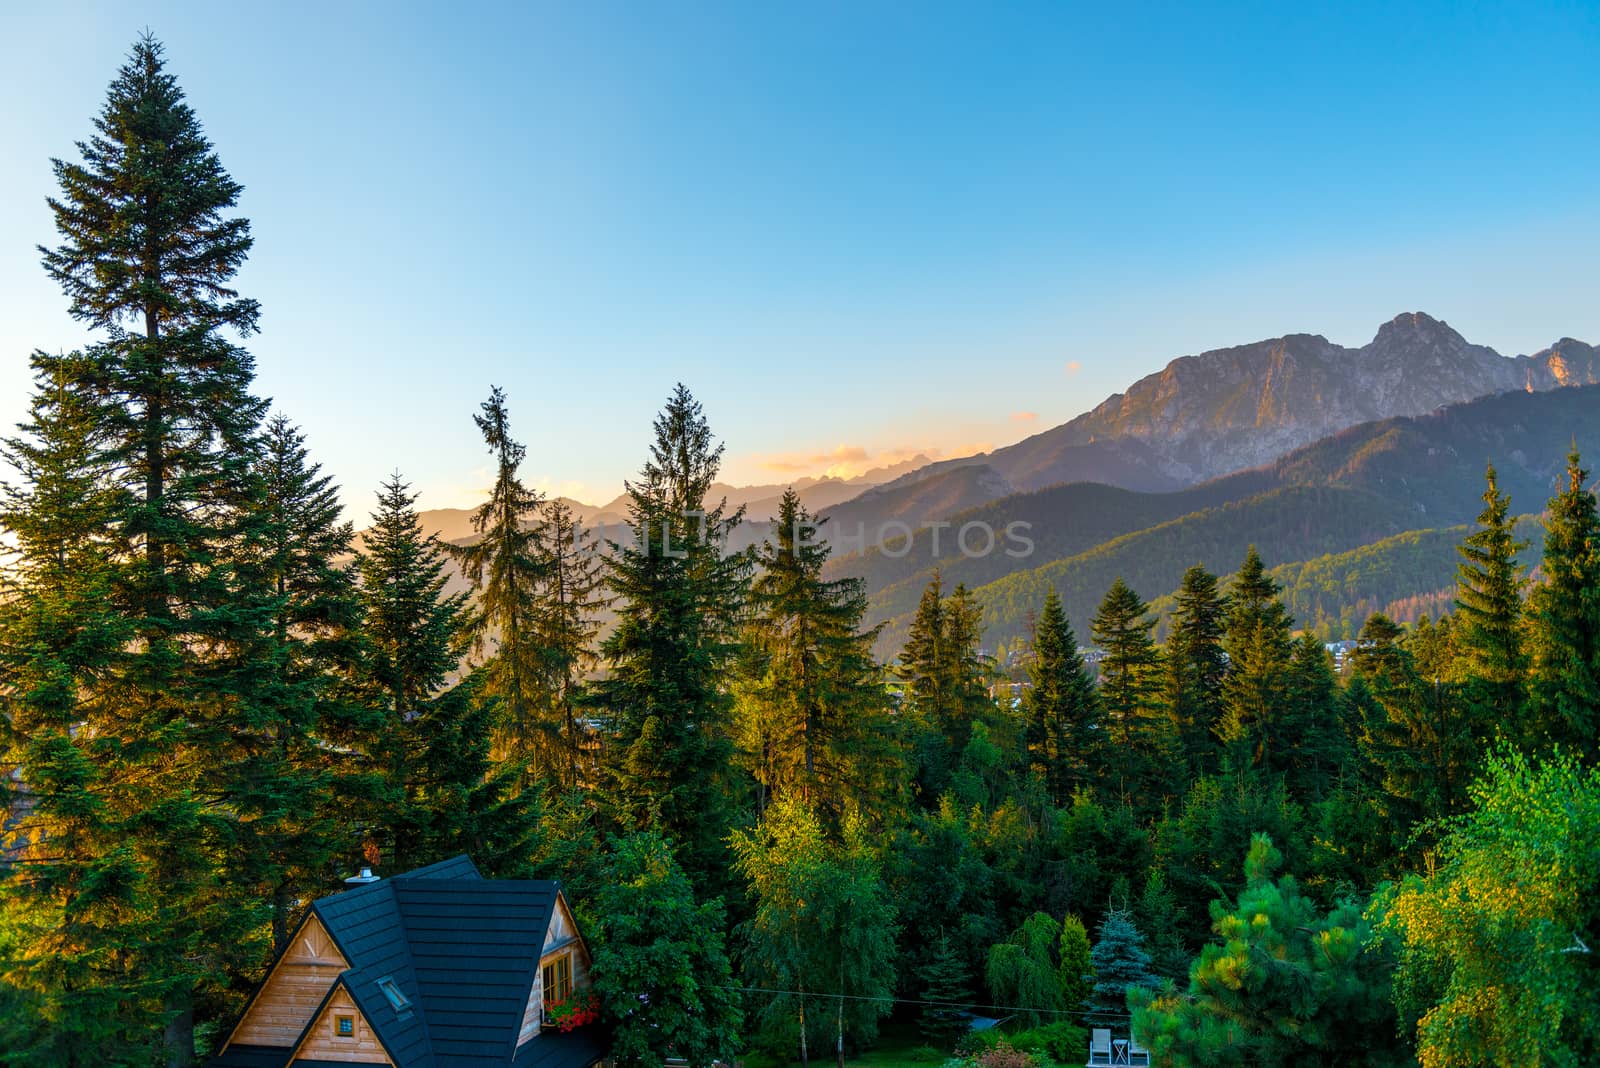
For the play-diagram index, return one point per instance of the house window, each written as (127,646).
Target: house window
(558,980)
(391,991)
(344,1026)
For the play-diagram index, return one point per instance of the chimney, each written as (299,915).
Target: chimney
(363,879)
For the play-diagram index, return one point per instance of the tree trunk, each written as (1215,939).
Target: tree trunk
(179,1035)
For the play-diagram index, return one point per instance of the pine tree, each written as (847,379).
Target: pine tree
(1315,752)
(1196,668)
(1283,983)
(945,992)
(415,632)
(1258,645)
(73,896)
(441,790)
(679,599)
(1130,684)
(1121,963)
(1059,706)
(505,567)
(1490,662)
(1564,610)
(146,256)
(810,713)
(305,783)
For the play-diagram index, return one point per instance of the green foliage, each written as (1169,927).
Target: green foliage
(1285,984)
(1061,1042)
(1024,972)
(1492,942)
(660,967)
(823,923)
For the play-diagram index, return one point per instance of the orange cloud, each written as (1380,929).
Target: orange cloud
(849,461)
(1024,417)
(1073,367)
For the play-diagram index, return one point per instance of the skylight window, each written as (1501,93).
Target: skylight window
(392,991)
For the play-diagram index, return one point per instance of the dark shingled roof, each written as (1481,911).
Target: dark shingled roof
(464,950)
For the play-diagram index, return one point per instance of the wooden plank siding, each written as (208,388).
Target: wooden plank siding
(561,938)
(293,989)
(323,1043)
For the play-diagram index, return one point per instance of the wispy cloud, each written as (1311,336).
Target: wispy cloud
(849,461)
(1024,417)
(1073,367)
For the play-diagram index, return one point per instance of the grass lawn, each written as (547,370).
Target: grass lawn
(899,1045)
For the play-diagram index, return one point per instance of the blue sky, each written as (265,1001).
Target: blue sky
(857,231)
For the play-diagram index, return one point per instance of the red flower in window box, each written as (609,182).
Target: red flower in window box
(582,1007)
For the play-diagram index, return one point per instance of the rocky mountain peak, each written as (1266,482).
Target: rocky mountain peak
(1412,330)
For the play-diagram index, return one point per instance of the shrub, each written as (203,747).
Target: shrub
(1004,1055)
(1063,1042)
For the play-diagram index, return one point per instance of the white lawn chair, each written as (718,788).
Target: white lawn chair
(1100,1046)
(1137,1054)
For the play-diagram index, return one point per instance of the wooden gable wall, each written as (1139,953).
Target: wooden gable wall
(293,989)
(561,937)
(323,1043)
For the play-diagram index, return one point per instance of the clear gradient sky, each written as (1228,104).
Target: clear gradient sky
(856,230)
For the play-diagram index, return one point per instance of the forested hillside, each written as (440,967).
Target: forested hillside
(1378,480)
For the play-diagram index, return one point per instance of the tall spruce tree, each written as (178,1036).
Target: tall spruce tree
(441,791)
(1258,644)
(1564,610)
(568,603)
(146,257)
(1130,690)
(1196,667)
(506,568)
(810,713)
(1059,706)
(944,678)
(679,598)
(1490,663)
(305,779)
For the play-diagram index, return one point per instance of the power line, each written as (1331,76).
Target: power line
(917,1001)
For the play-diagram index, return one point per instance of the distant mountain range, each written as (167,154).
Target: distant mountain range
(1367,459)
(1228,409)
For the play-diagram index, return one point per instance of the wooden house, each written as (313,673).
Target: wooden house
(435,968)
